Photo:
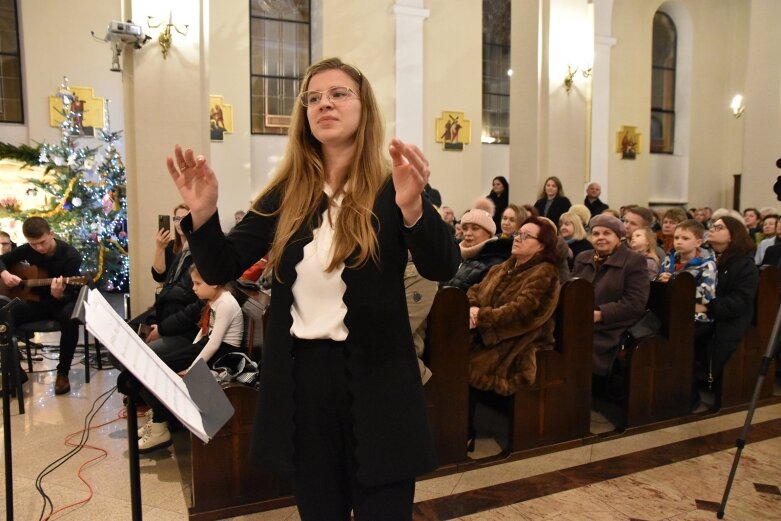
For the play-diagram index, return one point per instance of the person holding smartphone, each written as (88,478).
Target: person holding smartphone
(173,320)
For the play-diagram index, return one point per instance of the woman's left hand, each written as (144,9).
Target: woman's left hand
(473,312)
(410,175)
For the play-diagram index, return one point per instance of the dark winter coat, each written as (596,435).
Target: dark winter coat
(559,206)
(391,428)
(514,322)
(177,308)
(733,307)
(472,270)
(621,288)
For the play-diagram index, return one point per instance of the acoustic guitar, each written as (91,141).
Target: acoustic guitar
(33,277)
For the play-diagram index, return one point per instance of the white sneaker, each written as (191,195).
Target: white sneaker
(156,437)
(148,415)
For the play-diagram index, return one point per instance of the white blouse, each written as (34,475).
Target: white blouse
(226,324)
(318,306)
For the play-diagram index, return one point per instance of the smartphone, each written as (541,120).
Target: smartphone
(164,222)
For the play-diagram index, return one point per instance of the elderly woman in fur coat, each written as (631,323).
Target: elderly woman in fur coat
(511,314)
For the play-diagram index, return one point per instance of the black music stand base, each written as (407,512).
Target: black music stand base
(129,386)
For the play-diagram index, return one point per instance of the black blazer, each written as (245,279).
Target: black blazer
(558,207)
(394,441)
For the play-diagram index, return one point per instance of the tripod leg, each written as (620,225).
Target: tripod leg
(772,349)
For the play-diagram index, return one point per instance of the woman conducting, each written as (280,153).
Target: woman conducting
(342,408)
(511,313)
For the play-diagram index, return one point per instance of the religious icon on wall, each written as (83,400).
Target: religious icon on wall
(220,118)
(453,131)
(628,142)
(86,107)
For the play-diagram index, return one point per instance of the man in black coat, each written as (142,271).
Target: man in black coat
(592,201)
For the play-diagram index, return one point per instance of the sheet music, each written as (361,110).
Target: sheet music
(138,358)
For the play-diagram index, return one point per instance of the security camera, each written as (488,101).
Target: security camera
(119,34)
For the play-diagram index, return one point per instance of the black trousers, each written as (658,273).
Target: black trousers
(325,482)
(60,311)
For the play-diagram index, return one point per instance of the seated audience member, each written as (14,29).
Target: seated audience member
(572,231)
(562,250)
(733,307)
(512,314)
(50,258)
(512,219)
(643,241)
(420,296)
(751,219)
(222,326)
(582,212)
(701,216)
(672,217)
(6,244)
(552,202)
(636,217)
(592,201)
(479,250)
(173,320)
(687,255)
(773,252)
(448,215)
(769,232)
(621,287)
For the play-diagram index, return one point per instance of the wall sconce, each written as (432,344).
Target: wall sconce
(164,39)
(569,79)
(737,106)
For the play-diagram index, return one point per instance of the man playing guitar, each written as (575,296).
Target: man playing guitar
(55,301)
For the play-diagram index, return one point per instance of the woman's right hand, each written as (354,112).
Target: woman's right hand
(162,238)
(196,183)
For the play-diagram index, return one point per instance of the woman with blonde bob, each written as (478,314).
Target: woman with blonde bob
(342,410)
(574,234)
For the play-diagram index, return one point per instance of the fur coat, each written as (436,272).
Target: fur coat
(515,320)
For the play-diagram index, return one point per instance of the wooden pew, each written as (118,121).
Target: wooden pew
(447,392)
(742,369)
(660,369)
(225,483)
(557,407)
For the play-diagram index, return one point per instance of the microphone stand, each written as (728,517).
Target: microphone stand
(129,385)
(8,359)
(772,350)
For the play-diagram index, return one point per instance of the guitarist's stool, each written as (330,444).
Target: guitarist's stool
(28,330)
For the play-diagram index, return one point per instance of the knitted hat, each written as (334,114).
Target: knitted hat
(481,218)
(610,222)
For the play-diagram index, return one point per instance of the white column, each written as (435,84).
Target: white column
(601,144)
(410,15)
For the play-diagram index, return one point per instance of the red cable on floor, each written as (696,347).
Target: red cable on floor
(122,414)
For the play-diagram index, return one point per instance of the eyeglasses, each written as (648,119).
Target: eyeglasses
(525,235)
(311,98)
(717,227)
(178,218)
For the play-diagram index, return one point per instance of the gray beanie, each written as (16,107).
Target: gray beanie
(610,222)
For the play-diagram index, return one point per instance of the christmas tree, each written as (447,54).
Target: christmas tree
(88,203)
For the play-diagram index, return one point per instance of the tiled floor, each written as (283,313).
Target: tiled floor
(676,473)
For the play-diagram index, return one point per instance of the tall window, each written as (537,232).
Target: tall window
(496,67)
(10,65)
(279,56)
(665,40)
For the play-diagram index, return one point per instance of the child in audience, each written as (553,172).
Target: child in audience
(686,255)
(643,241)
(222,327)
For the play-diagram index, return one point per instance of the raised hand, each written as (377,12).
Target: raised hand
(196,183)
(410,175)
(162,238)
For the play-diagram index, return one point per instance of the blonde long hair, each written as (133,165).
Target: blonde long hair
(301,177)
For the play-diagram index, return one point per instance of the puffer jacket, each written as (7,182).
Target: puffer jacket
(473,270)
